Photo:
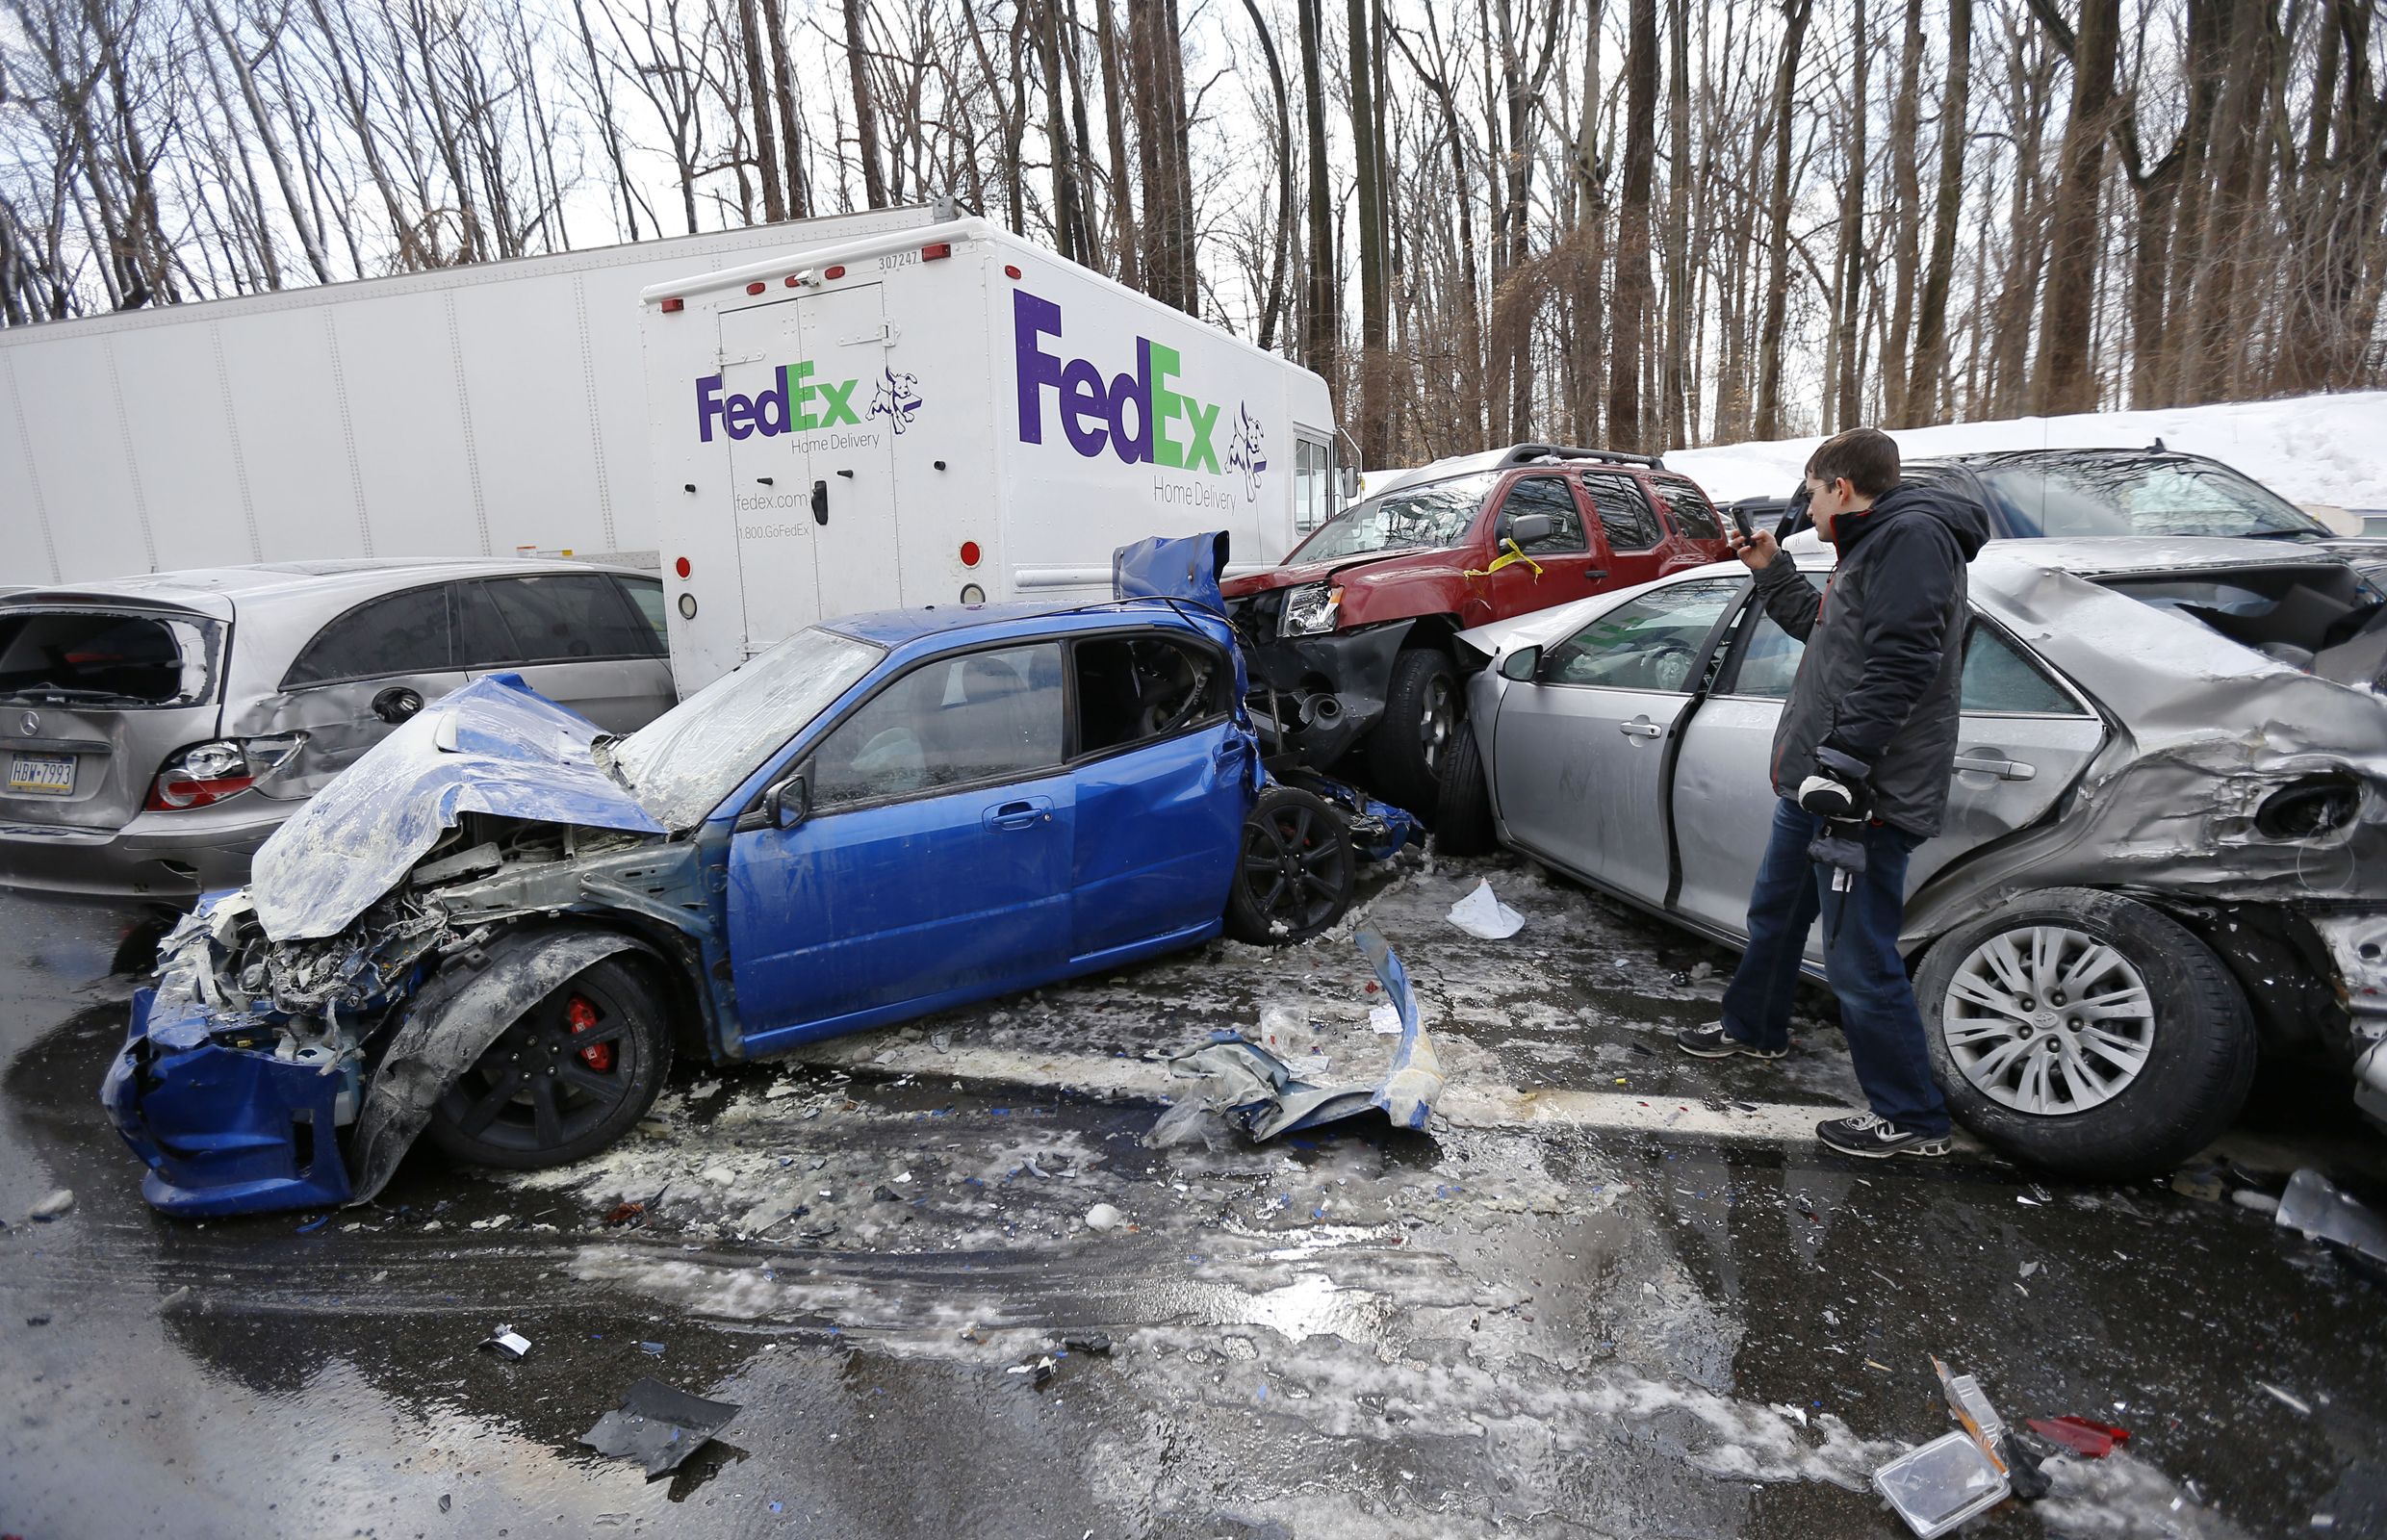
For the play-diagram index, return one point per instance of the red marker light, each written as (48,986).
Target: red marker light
(936,251)
(1010,271)
(794,280)
(837,271)
(969,553)
(681,566)
(755,287)
(672,307)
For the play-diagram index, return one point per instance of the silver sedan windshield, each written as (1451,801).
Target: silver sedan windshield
(682,763)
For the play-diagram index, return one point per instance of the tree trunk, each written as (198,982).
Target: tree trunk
(1849,270)
(1671,433)
(1122,191)
(790,116)
(1905,130)
(1795,14)
(1272,305)
(1069,223)
(1626,428)
(866,110)
(1367,212)
(1926,396)
(2068,379)
(1323,319)
(759,98)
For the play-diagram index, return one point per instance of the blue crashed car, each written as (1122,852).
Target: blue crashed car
(499,926)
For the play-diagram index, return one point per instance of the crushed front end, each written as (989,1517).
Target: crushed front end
(242,1064)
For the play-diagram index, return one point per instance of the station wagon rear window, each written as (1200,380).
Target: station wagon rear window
(107,659)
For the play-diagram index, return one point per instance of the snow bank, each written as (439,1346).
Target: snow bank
(2313,448)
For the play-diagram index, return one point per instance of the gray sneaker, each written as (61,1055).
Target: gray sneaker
(1874,1138)
(1714,1042)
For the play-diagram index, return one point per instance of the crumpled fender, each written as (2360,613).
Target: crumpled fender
(1183,567)
(450,1023)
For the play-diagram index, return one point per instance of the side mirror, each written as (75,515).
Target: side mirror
(1350,483)
(1525,662)
(789,803)
(1531,528)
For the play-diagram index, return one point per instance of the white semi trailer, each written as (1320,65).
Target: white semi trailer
(481,410)
(949,415)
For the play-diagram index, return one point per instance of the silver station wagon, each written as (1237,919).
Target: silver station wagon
(2165,846)
(155,729)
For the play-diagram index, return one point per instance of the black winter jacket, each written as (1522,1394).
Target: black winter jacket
(1884,655)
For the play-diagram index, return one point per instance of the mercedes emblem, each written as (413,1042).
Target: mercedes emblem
(31,722)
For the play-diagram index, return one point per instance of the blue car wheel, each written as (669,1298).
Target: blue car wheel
(1293,877)
(573,1074)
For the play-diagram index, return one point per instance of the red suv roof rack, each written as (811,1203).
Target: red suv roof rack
(1527,453)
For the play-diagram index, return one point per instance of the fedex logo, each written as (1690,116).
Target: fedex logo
(1140,417)
(786,407)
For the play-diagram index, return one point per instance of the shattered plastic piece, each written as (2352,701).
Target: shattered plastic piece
(1039,1370)
(1480,913)
(1970,1404)
(2314,1206)
(2258,1202)
(659,1427)
(1260,1094)
(1094,1344)
(1385,1021)
(654,1347)
(1939,1485)
(1103,1217)
(625,1213)
(508,1341)
(2293,1403)
(2029,1483)
(55,1205)
(884,1194)
(2080,1435)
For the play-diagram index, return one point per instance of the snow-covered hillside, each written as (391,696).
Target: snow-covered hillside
(2314,449)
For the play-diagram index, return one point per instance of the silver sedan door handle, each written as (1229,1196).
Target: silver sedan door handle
(1641,728)
(1988,764)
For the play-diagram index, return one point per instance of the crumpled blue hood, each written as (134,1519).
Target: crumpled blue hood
(495,746)
(1183,567)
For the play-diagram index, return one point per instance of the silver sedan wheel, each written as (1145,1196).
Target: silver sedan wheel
(2048,1020)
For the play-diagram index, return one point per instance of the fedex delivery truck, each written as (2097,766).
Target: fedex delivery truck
(476,411)
(949,415)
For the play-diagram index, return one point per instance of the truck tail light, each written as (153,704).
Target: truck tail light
(673,307)
(970,552)
(1011,270)
(207,773)
(757,287)
(837,272)
(936,251)
(681,566)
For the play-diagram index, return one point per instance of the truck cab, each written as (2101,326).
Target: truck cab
(1349,640)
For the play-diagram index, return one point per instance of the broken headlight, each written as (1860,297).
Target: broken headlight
(2310,807)
(1310,610)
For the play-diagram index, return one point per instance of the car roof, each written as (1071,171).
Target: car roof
(1457,465)
(332,582)
(1983,458)
(892,628)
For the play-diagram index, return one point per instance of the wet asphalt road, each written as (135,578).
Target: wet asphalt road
(1565,1328)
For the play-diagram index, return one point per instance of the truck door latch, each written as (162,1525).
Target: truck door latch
(820,503)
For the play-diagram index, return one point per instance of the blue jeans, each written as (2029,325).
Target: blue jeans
(1860,958)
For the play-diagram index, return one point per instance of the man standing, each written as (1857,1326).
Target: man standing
(1862,761)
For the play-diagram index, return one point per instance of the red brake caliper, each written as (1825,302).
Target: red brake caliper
(582,1015)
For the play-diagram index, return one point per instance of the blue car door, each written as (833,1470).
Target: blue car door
(934,866)
(1162,775)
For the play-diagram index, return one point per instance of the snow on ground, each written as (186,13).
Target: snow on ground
(2314,449)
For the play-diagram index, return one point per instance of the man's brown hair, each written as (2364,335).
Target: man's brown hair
(1867,456)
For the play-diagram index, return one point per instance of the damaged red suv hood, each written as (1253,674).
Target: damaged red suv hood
(1375,566)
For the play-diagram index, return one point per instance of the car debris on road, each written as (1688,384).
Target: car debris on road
(659,1427)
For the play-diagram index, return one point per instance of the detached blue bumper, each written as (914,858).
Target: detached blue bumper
(225,1130)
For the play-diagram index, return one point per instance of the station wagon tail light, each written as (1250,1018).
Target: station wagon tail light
(1311,609)
(207,773)
(936,251)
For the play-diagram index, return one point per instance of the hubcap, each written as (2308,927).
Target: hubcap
(2003,1028)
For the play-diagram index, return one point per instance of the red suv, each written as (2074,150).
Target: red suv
(1349,642)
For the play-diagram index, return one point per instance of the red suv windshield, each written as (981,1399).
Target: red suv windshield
(1434,515)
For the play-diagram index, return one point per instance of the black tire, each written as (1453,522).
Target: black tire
(1463,823)
(546,1094)
(1423,710)
(1294,876)
(2193,1036)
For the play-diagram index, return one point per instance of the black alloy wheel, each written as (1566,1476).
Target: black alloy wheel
(570,1076)
(1293,875)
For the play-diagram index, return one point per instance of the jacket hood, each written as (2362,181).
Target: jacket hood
(495,746)
(1964,517)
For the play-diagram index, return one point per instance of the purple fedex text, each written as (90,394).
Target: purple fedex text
(1138,417)
(786,407)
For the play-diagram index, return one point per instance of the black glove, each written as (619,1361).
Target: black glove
(1839,787)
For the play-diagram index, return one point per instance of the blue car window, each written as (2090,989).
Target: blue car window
(1135,688)
(947,723)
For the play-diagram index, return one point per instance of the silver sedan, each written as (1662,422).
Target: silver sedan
(2165,840)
